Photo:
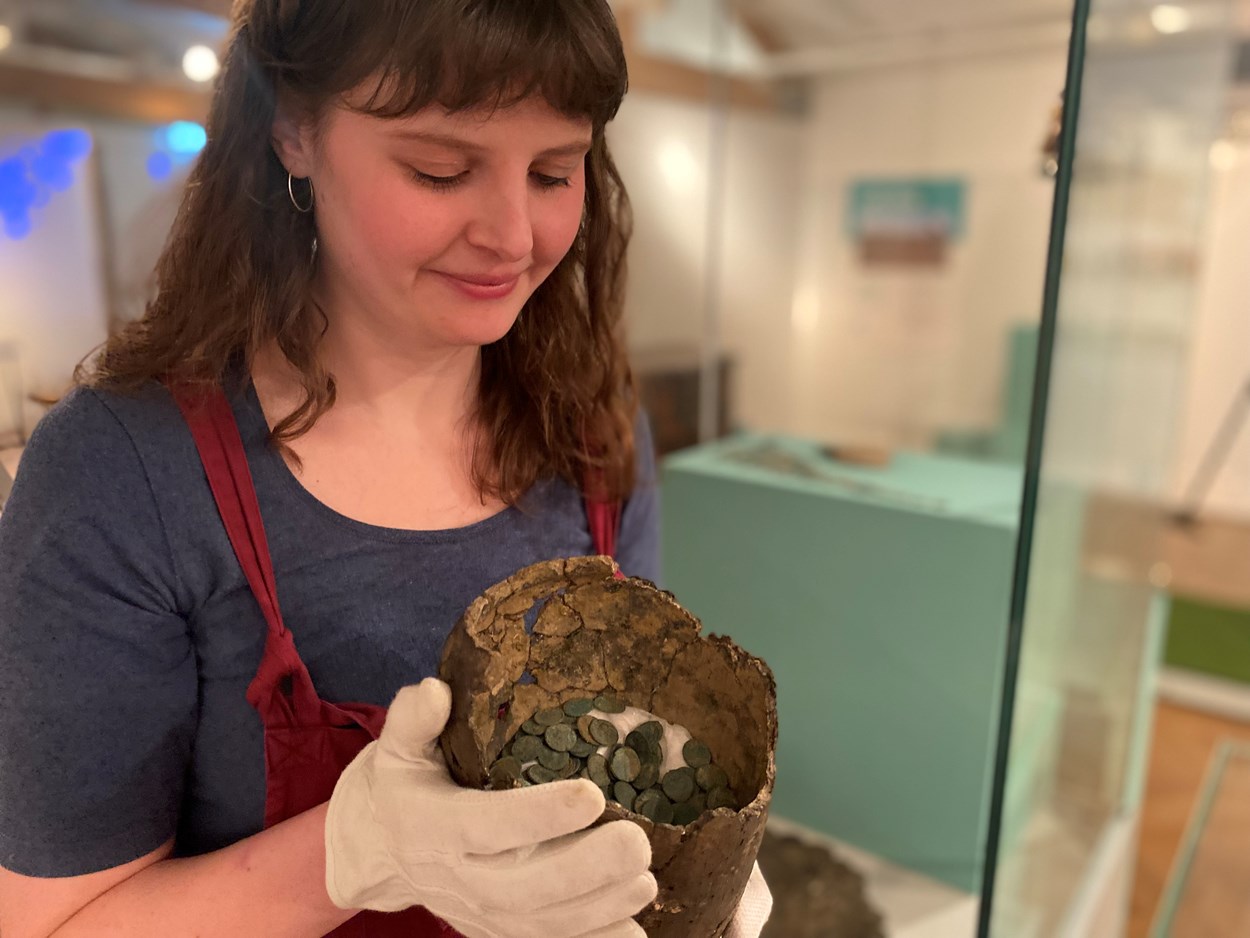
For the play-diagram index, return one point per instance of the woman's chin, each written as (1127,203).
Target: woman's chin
(479,330)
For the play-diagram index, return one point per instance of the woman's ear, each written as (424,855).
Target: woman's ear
(292,143)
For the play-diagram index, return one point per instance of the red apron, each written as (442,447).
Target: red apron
(308,741)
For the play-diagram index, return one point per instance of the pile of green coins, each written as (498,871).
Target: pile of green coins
(571,742)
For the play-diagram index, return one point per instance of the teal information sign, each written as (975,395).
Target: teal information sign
(902,207)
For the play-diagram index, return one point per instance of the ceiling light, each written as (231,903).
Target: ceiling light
(1223,155)
(1169,19)
(200,64)
(678,165)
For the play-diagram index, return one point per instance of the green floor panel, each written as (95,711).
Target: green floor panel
(1210,639)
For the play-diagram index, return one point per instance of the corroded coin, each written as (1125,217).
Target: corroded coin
(578,707)
(540,775)
(711,776)
(684,814)
(583,728)
(721,798)
(648,776)
(642,744)
(549,717)
(663,811)
(505,773)
(679,784)
(560,737)
(653,804)
(572,769)
(625,764)
(606,703)
(696,754)
(652,729)
(623,793)
(531,727)
(583,749)
(597,769)
(526,748)
(646,802)
(604,733)
(553,759)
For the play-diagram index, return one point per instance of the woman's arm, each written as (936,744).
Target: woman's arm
(270,884)
(99,710)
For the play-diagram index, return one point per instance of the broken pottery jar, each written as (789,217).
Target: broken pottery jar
(589,633)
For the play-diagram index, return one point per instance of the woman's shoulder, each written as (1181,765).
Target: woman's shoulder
(140,413)
(151,402)
(84,501)
(95,437)
(644,450)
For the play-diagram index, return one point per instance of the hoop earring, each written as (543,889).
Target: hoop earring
(312,195)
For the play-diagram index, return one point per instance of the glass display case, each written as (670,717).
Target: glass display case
(1118,335)
(960,310)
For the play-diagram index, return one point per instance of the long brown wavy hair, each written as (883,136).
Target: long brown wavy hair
(556,396)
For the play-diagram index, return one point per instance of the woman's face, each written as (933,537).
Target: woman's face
(435,229)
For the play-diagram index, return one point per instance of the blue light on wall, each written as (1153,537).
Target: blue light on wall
(175,145)
(160,166)
(29,178)
(68,146)
(185,138)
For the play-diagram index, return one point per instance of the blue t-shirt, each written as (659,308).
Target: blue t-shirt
(128,634)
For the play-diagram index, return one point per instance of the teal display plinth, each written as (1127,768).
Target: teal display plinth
(880,598)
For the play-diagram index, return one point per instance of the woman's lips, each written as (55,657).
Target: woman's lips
(480,289)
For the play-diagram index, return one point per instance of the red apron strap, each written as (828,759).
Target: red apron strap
(216,435)
(602,513)
(603,516)
(231,482)
(605,525)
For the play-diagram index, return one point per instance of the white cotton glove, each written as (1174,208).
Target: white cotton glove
(493,864)
(753,909)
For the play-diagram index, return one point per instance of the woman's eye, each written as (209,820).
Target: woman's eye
(446,183)
(552,182)
(438,183)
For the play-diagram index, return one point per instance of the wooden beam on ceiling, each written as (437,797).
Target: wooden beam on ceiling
(215,7)
(659,76)
(763,30)
(125,100)
(155,103)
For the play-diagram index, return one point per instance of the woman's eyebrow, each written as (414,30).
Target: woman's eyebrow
(581,148)
(577,148)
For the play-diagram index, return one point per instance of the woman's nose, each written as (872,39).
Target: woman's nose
(502,223)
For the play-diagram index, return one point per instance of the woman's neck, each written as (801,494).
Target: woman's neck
(398,448)
(397,386)
(386,386)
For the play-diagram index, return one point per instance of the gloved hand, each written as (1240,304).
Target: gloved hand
(493,864)
(753,909)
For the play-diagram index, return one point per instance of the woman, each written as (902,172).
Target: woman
(388,317)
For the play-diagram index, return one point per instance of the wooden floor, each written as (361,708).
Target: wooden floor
(1184,741)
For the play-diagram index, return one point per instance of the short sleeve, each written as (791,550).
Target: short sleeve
(638,545)
(98,685)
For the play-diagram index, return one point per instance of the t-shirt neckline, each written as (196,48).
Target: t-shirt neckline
(254,426)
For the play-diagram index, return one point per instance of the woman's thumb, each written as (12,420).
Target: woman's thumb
(415,719)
